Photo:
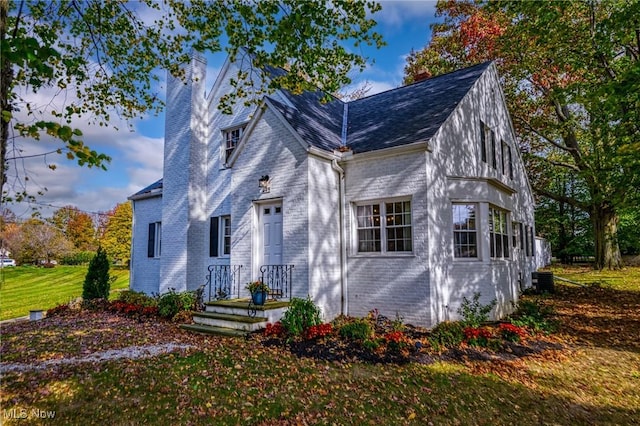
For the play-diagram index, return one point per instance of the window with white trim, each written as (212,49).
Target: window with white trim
(498,233)
(465,231)
(225,237)
(384,227)
(154,242)
(231,138)
(220,236)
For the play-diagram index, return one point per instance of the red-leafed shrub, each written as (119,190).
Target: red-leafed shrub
(511,332)
(477,336)
(133,309)
(275,329)
(396,340)
(320,330)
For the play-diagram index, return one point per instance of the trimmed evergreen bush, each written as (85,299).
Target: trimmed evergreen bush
(97,282)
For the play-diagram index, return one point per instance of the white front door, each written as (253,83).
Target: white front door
(271,233)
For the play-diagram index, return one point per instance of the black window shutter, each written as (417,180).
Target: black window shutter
(151,244)
(213,237)
(483,143)
(494,158)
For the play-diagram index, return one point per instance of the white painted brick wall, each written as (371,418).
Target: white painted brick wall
(271,150)
(184,185)
(145,271)
(324,237)
(459,139)
(392,284)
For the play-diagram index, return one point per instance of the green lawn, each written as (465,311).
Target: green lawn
(27,287)
(594,379)
(625,279)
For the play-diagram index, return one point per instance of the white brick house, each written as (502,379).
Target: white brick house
(405,201)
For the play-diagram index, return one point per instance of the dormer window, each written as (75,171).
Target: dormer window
(231,138)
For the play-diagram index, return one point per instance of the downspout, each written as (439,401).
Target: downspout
(343,243)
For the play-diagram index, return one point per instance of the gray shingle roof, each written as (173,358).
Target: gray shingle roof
(318,124)
(396,117)
(154,187)
(407,114)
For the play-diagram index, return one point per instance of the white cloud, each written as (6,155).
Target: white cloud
(395,13)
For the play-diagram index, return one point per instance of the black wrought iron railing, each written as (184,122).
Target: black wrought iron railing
(279,279)
(223,281)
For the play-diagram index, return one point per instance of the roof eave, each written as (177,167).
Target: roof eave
(144,196)
(422,145)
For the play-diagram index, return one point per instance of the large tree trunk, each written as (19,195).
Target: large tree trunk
(605,226)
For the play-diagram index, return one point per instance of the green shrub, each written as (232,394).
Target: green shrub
(360,329)
(171,303)
(137,298)
(301,314)
(447,334)
(97,282)
(77,258)
(371,345)
(473,312)
(535,316)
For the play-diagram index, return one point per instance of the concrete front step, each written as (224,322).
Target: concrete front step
(223,320)
(272,310)
(217,331)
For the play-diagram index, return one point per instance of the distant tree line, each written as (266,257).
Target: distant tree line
(69,236)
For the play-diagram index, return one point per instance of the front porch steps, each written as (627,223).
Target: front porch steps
(217,331)
(231,317)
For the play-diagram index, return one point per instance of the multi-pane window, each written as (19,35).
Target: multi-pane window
(220,236)
(384,227)
(231,138)
(225,237)
(369,228)
(498,233)
(465,231)
(527,239)
(398,226)
(154,241)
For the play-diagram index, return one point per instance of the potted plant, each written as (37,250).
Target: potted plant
(258,291)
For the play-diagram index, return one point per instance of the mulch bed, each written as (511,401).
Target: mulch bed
(336,349)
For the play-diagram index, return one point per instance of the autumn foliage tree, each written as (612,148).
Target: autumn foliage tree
(116,240)
(77,226)
(104,59)
(571,73)
(35,241)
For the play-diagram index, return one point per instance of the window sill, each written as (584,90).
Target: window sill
(377,255)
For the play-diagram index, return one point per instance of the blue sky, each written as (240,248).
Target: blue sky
(137,154)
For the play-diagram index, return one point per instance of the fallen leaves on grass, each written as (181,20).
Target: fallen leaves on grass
(599,315)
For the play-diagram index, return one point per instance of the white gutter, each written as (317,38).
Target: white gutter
(343,243)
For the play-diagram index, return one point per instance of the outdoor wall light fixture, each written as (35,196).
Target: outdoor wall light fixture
(264,183)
